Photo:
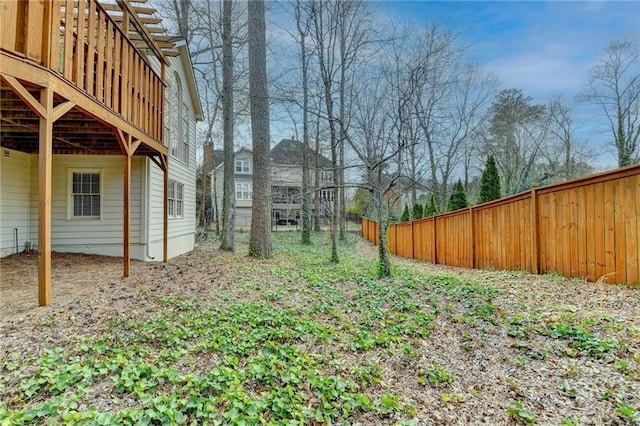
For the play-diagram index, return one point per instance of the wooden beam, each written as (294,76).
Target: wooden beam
(139,23)
(133,147)
(140,10)
(62,109)
(126,257)
(44,198)
(165,213)
(122,141)
(24,94)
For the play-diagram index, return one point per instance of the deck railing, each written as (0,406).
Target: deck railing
(80,42)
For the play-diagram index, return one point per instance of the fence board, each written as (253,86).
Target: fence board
(590,232)
(609,232)
(619,230)
(631,228)
(581,229)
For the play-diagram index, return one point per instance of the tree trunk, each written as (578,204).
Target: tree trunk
(384,264)
(316,219)
(229,199)
(260,238)
(306,220)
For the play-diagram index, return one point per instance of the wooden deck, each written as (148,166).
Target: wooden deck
(74,80)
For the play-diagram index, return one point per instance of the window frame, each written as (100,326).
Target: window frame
(185,148)
(242,188)
(71,195)
(175,199)
(241,171)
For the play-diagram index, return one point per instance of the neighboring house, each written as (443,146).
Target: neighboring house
(98,144)
(286,184)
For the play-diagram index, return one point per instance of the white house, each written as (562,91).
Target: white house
(286,183)
(97,144)
(87,189)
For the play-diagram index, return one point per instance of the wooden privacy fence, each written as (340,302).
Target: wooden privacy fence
(587,228)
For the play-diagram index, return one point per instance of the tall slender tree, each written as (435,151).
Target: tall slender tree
(302,25)
(458,198)
(430,208)
(490,182)
(260,238)
(228,199)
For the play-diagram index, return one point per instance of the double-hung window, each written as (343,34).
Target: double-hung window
(242,166)
(176,199)
(243,191)
(85,189)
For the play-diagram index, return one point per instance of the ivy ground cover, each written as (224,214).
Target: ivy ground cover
(218,338)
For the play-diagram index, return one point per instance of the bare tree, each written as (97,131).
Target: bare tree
(260,237)
(614,86)
(302,18)
(324,37)
(516,137)
(565,158)
(447,97)
(227,241)
(373,139)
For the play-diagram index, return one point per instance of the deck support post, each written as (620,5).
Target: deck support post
(127,215)
(45,155)
(165,213)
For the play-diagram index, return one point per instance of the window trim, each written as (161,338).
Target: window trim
(175,203)
(249,190)
(242,172)
(70,194)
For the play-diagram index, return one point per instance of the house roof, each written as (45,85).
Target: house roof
(187,66)
(288,152)
(218,156)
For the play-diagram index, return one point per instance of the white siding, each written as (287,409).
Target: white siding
(243,207)
(14,200)
(181,229)
(98,236)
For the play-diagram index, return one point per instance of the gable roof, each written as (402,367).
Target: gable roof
(187,66)
(288,152)
(218,156)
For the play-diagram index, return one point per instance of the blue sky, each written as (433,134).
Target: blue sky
(545,48)
(541,47)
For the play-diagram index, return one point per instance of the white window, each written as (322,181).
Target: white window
(242,166)
(243,191)
(185,137)
(178,132)
(326,195)
(176,199)
(85,189)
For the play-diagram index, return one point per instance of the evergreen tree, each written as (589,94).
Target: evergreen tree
(458,199)
(490,182)
(405,214)
(417,211)
(430,208)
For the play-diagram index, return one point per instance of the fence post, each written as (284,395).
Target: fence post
(473,238)
(435,241)
(413,245)
(535,229)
